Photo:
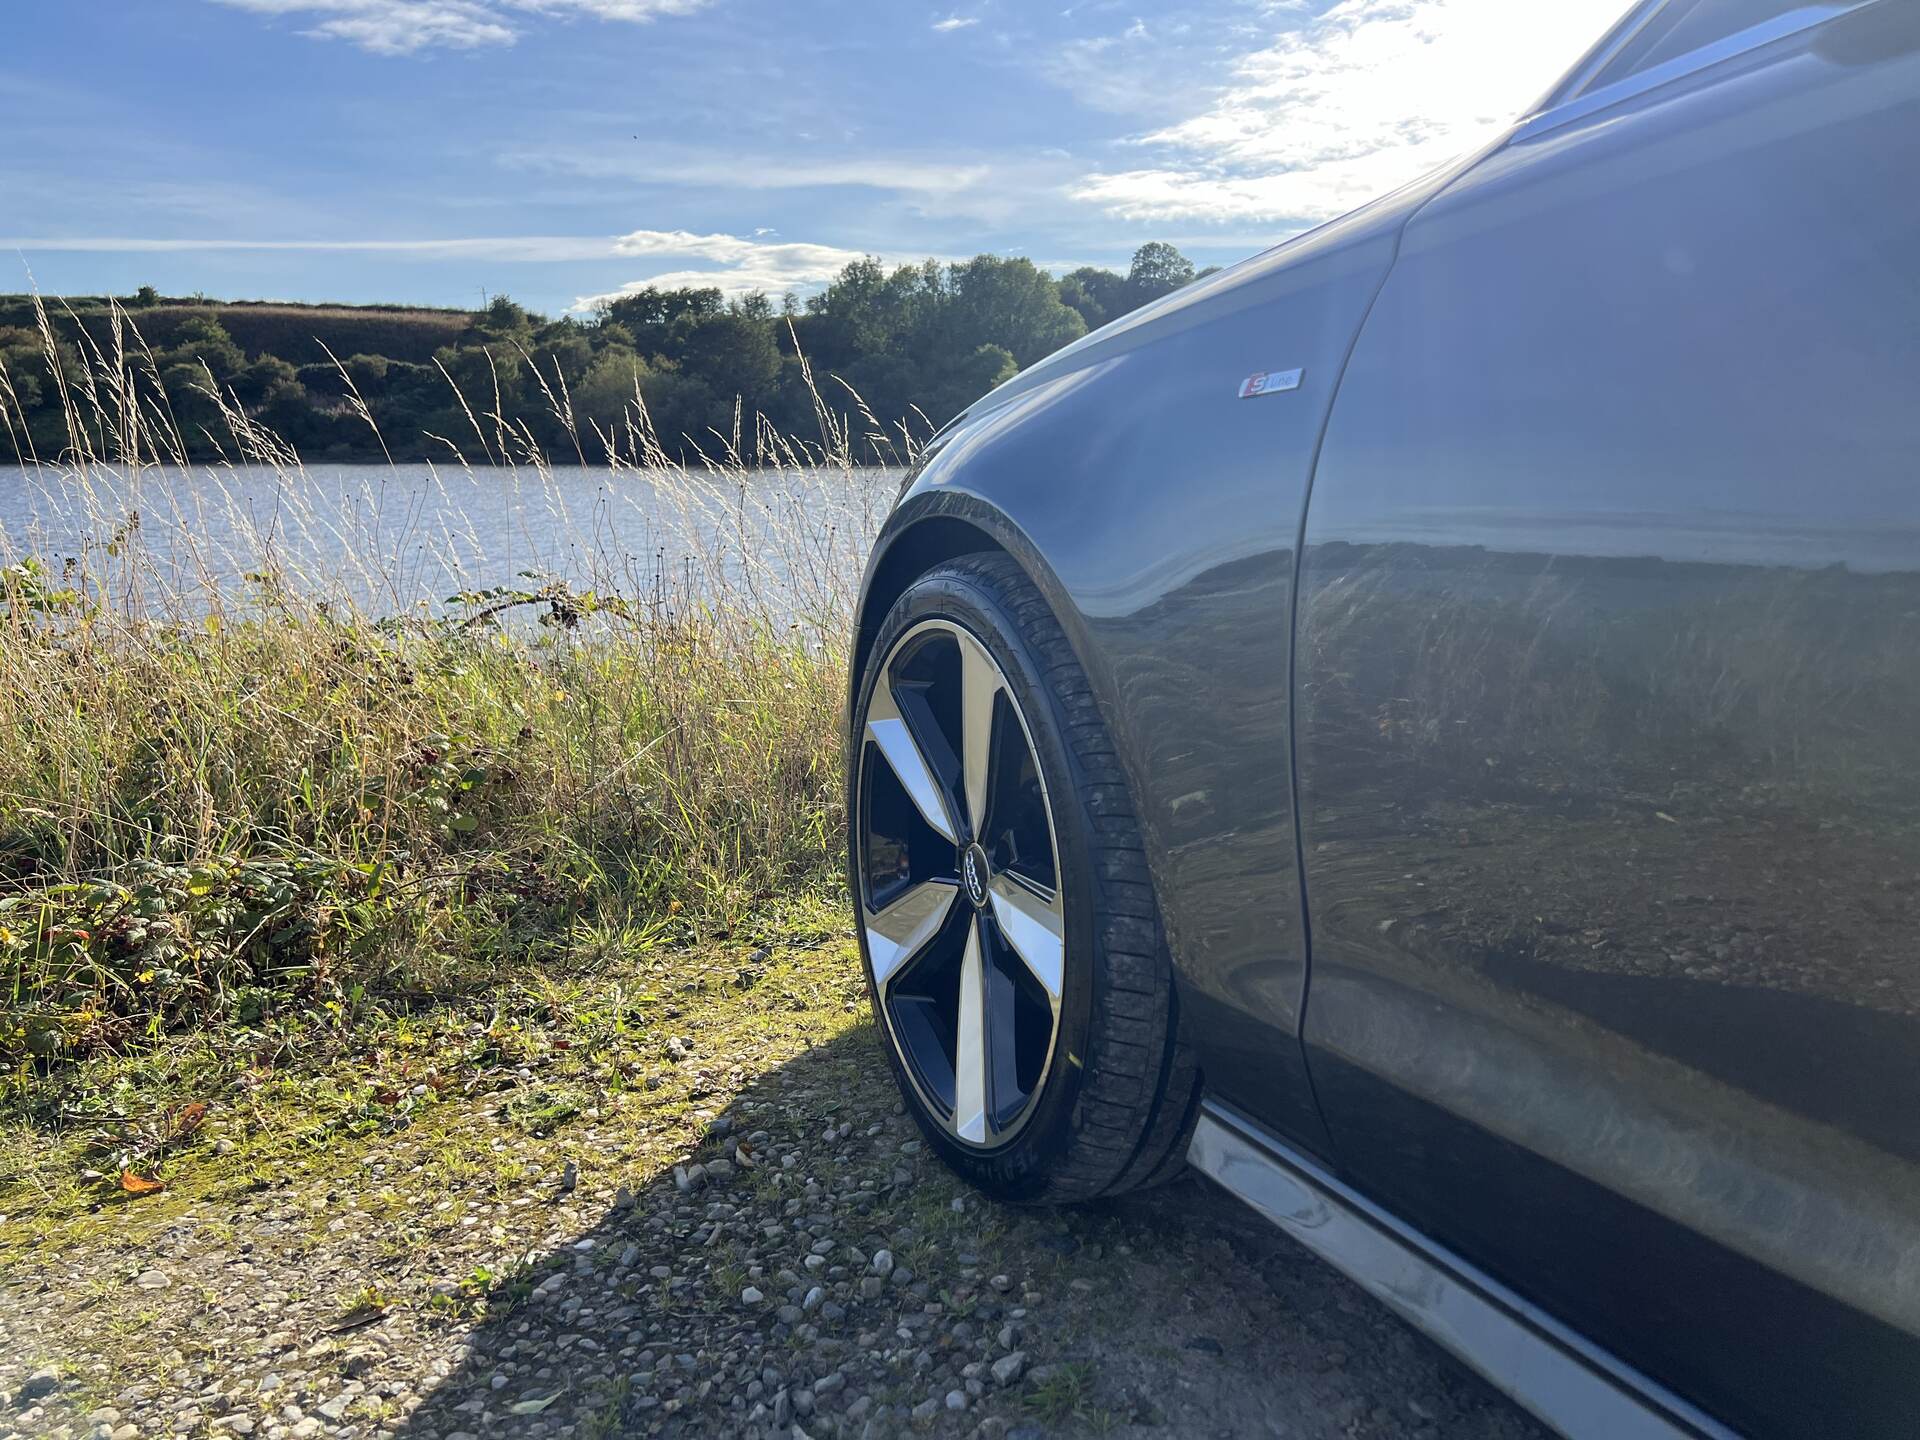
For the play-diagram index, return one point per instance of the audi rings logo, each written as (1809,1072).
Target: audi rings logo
(974,871)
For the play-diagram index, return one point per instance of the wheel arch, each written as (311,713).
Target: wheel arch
(928,530)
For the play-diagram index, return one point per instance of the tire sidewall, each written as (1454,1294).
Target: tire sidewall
(1018,1170)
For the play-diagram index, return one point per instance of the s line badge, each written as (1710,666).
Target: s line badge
(1269,382)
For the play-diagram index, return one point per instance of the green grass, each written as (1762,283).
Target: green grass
(446,1081)
(302,810)
(257,807)
(1064,1394)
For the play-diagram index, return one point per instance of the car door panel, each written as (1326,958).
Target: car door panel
(1607,669)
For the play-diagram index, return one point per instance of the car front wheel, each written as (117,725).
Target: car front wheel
(1013,946)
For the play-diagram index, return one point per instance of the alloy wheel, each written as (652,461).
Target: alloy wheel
(959,883)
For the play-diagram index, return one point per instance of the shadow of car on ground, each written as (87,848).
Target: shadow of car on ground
(813,1270)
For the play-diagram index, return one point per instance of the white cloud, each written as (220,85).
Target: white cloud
(739,170)
(401,27)
(536,248)
(736,265)
(1362,99)
(955,22)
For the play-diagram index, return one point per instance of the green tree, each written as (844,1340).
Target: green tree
(1098,295)
(1157,269)
(199,341)
(251,384)
(1010,303)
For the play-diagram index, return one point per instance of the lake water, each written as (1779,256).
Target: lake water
(390,538)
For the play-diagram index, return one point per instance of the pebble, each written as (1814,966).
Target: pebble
(751,1296)
(40,1384)
(1008,1368)
(153,1280)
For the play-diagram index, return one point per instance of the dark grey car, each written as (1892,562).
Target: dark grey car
(1424,727)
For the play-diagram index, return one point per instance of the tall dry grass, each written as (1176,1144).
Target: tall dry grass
(253,767)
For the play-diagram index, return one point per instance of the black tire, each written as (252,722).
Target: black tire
(1117,1103)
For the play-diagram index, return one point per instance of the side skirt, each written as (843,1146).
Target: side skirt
(1569,1383)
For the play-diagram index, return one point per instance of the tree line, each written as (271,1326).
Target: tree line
(915,345)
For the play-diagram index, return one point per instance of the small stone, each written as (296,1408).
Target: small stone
(40,1384)
(815,1298)
(1002,1283)
(153,1280)
(237,1423)
(956,1399)
(927,1408)
(882,1262)
(1008,1368)
(751,1296)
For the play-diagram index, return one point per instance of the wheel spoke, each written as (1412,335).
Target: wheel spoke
(1032,926)
(969,982)
(886,729)
(901,931)
(970,1045)
(979,688)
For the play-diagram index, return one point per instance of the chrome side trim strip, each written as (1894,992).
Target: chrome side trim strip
(1601,55)
(1793,22)
(1567,1382)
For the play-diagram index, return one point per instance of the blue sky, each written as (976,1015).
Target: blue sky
(557,150)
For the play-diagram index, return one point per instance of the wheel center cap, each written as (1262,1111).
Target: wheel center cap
(975,873)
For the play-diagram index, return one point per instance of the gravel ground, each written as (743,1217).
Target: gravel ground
(739,1234)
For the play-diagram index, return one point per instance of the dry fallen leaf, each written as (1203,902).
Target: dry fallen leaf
(139,1184)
